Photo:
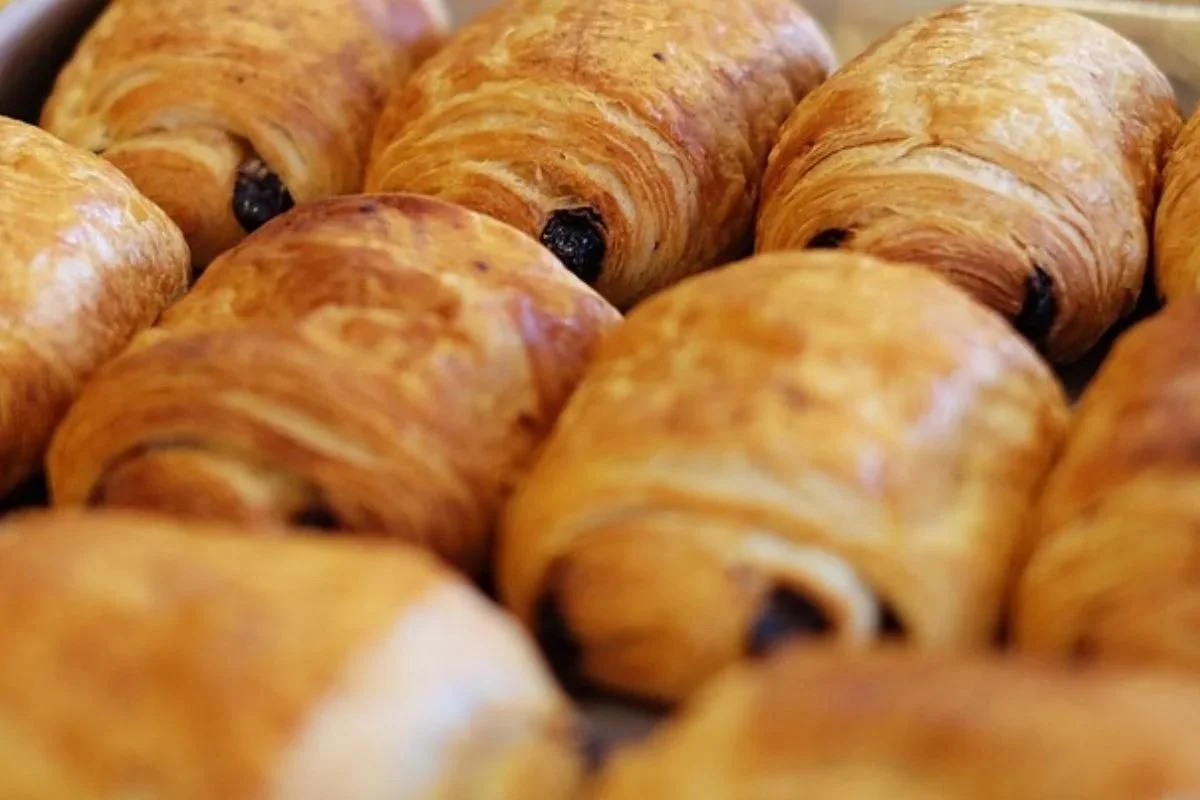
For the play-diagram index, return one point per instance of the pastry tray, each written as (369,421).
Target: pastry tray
(37,36)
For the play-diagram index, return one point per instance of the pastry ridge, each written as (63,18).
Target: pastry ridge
(1017,149)
(629,135)
(383,365)
(88,263)
(823,442)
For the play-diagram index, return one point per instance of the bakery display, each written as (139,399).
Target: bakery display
(145,658)
(891,726)
(87,262)
(1176,243)
(1113,573)
(225,114)
(1016,149)
(382,365)
(628,136)
(805,444)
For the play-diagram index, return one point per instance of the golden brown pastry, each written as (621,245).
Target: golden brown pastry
(87,262)
(1115,570)
(629,136)
(1015,149)
(802,444)
(143,658)
(375,364)
(226,113)
(892,726)
(1176,238)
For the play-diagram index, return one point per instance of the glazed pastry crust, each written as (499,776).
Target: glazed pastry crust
(1113,573)
(859,433)
(655,116)
(88,262)
(987,142)
(179,93)
(1176,242)
(374,364)
(892,726)
(147,657)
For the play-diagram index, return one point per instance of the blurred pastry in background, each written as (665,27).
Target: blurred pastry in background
(1176,235)
(813,445)
(895,726)
(628,136)
(1015,149)
(383,365)
(1115,567)
(88,262)
(144,658)
(226,114)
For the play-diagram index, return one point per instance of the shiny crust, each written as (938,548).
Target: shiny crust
(1176,239)
(988,142)
(859,433)
(1115,573)
(911,727)
(179,93)
(153,659)
(87,262)
(656,115)
(374,364)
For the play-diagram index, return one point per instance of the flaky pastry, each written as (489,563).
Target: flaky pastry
(87,263)
(375,364)
(227,113)
(892,726)
(1115,567)
(630,136)
(152,659)
(802,444)
(1016,149)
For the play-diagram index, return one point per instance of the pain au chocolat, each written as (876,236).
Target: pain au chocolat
(379,365)
(803,444)
(629,136)
(1015,149)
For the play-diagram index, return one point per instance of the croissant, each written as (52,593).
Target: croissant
(1112,573)
(1015,149)
(891,726)
(145,658)
(88,261)
(225,113)
(629,136)
(374,364)
(819,445)
(1176,244)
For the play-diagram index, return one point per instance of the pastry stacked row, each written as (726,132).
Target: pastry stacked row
(837,447)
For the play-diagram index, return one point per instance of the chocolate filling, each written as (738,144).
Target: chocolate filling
(576,237)
(828,239)
(786,614)
(258,195)
(316,516)
(561,647)
(1036,317)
